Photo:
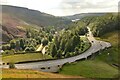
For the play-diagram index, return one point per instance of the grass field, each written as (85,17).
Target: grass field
(114,51)
(100,66)
(25,57)
(90,69)
(14,73)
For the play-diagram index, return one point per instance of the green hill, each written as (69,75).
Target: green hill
(32,16)
(82,15)
(100,66)
(103,65)
(15,20)
(104,24)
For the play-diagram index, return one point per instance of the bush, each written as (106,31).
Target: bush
(9,52)
(11,65)
(12,44)
(30,48)
(44,42)
(27,49)
(6,47)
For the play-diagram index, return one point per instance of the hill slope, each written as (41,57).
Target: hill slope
(106,64)
(15,20)
(32,16)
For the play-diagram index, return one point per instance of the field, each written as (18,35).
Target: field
(99,67)
(14,73)
(25,57)
(90,69)
(113,52)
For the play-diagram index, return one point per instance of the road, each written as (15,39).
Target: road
(54,65)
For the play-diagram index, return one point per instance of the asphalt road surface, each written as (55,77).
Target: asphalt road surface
(54,65)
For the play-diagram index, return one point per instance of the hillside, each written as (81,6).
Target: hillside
(11,27)
(104,24)
(105,64)
(106,28)
(14,28)
(32,16)
(114,51)
(15,20)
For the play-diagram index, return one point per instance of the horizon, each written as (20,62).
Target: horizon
(54,15)
(66,7)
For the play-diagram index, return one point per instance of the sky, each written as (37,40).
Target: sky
(66,7)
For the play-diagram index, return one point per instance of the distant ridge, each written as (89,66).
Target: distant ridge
(82,15)
(32,16)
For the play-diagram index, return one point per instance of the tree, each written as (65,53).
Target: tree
(27,49)
(75,41)
(68,54)
(68,46)
(6,47)
(62,44)
(11,65)
(56,42)
(76,50)
(44,42)
(22,43)
(17,45)
(32,48)
(12,44)
(50,37)
(59,54)
(53,50)
(38,39)
(28,34)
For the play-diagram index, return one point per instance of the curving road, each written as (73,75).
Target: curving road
(54,65)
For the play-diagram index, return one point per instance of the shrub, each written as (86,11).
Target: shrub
(44,42)
(30,48)
(11,65)
(6,47)
(9,52)
(27,49)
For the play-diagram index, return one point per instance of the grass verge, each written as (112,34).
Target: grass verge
(113,51)
(100,66)
(90,69)
(25,57)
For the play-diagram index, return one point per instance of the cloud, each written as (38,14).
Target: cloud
(81,6)
(66,7)
(89,3)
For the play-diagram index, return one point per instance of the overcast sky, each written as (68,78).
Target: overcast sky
(66,7)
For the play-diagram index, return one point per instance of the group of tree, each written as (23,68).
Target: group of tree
(104,24)
(33,38)
(67,43)
(61,43)
(21,45)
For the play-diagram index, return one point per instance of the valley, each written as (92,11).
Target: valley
(87,47)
